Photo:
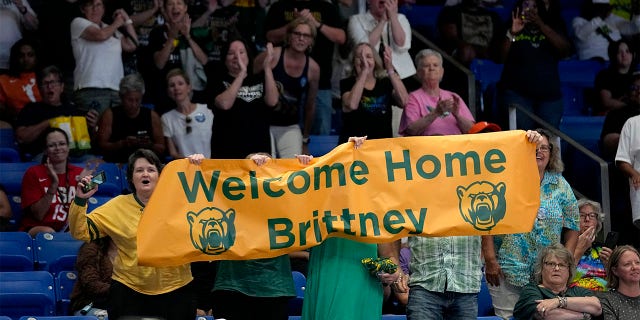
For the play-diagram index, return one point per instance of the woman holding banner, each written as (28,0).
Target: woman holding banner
(338,286)
(264,284)
(135,290)
(509,264)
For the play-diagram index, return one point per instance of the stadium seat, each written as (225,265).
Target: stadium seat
(113,186)
(12,175)
(65,280)
(16,251)
(295,317)
(300,283)
(59,318)
(9,155)
(15,201)
(8,138)
(27,292)
(56,252)
(485,306)
(96,201)
(394,317)
(423,18)
(321,145)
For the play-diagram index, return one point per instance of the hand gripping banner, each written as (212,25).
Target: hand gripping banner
(477,184)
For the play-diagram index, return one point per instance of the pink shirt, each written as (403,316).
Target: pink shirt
(419,105)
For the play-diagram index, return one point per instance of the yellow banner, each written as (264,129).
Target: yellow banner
(389,188)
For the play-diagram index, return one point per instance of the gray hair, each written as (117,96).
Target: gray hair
(555,250)
(425,53)
(598,209)
(131,83)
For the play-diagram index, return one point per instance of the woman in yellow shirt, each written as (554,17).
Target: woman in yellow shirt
(162,292)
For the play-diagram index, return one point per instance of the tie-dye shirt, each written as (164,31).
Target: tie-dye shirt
(590,272)
(558,209)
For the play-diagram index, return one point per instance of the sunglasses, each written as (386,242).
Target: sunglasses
(188,120)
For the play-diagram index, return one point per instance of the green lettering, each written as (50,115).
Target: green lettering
(305,185)
(392,218)
(490,160)
(358,168)
(266,185)
(232,184)
(326,170)
(285,231)
(417,223)
(369,216)
(404,164)
(436,166)
(462,160)
(198,180)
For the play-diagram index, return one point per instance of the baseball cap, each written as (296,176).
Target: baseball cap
(483,126)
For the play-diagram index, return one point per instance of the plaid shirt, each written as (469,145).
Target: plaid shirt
(446,263)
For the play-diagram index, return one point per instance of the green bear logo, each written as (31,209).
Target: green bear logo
(482,204)
(212,230)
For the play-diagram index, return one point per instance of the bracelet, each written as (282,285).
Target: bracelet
(586,316)
(320,26)
(562,302)
(391,72)
(128,22)
(510,36)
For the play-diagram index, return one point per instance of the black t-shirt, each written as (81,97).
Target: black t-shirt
(373,116)
(36,112)
(615,119)
(617,83)
(531,68)
(123,127)
(477,26)
(282,12)
(243,129)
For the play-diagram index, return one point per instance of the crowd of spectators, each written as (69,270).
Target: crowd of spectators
(167,79)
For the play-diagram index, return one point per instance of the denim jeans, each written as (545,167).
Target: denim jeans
(324,110)
(549,111)
(429,305)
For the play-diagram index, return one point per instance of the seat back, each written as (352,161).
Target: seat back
(56,251)
(485,305)
(65,280)
(16,251)
(12,174)
(299,282)
(321,145)
(27,292)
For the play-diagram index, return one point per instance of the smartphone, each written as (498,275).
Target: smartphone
(99,178)
(612,239)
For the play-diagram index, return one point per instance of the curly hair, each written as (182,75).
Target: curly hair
(555,159)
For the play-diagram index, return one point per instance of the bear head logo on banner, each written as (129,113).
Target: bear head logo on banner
(212,230)
(482,204)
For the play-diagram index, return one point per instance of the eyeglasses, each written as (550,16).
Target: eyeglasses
(52,83)
(590,215)
(544,148)
(188,120)
(302,35)
(53,145)
(554,265)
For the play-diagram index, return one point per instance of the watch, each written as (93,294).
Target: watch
(306,140)
(510,36)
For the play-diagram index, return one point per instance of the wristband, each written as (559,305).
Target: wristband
(391,72)
(128,22)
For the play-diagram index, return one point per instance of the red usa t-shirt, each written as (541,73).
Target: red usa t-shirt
(35,184)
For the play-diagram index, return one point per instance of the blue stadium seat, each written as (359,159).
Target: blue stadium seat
(15,201)
(65,280)
(28,292)
(394,317)
(5,318)
(16,251)
(321,145)
(485,306)
(9,155)
(59,318)
(113,186)
(8,138)
(423,18)
(96,201)
(56,252)
(295,317)
(12,175)
(300,283)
